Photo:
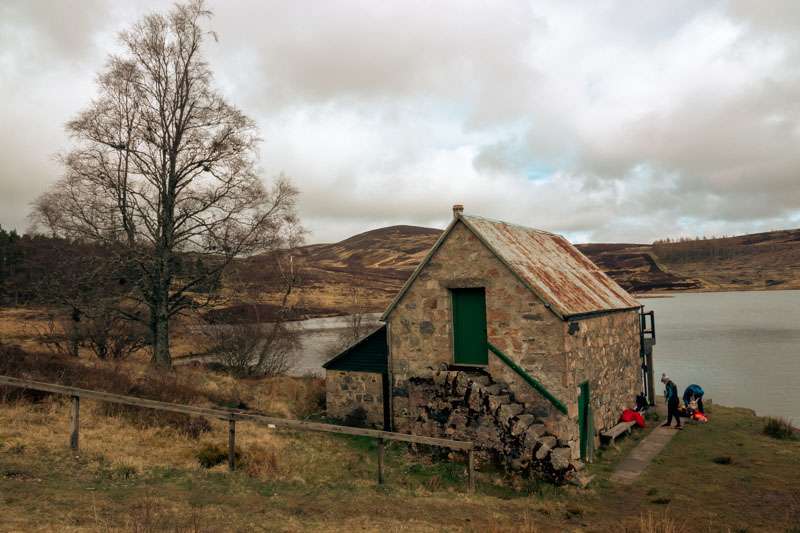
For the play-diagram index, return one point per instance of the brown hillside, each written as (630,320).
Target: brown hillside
(365,271)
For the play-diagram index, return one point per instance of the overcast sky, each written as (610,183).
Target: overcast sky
(607,121)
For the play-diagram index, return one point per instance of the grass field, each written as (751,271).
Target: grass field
(723,476)
(143,475)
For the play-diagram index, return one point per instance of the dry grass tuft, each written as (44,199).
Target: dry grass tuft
(152,515)
(779,428)
(527,524)
(659,523)
(262,461)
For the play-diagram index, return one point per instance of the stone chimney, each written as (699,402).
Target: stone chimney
(458,209)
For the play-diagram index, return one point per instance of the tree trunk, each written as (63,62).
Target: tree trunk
(160,331)
(75,333)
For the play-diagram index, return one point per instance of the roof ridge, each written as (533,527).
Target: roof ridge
(512,224)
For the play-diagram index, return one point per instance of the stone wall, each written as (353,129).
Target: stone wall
(345,392)
(420,327)
(605,351)
(469,405)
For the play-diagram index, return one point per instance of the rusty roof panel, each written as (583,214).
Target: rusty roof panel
(552,268)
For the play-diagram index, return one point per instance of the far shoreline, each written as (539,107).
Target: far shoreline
(672,293)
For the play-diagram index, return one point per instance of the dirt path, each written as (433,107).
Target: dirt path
(629,469)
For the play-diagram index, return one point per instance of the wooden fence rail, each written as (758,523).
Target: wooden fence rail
(233,415)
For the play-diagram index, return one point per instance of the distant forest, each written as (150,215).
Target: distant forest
(37,269)
(693,249)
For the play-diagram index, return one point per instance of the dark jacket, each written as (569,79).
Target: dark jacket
(671,392)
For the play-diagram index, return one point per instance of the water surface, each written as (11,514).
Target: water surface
(743,348)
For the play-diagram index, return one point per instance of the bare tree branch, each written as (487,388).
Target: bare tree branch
(163,167)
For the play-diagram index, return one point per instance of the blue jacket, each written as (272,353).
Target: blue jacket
(695,391)
(671,392)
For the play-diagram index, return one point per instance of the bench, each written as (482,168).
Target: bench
(616,431)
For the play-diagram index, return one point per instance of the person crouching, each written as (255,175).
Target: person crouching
(693,398)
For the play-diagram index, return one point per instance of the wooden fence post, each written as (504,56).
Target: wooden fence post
(75,422)
(471,470)
(231,445)
(380,461)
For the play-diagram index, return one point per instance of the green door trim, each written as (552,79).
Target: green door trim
(469,327)
(530,380)
(585,419)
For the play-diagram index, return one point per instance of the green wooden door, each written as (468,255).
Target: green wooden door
(469,327)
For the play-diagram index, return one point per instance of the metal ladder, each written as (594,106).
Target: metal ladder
(647,339)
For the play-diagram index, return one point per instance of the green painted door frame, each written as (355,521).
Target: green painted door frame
(585,421)
(470,346)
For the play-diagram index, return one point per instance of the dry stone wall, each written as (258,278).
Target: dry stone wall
(470,405)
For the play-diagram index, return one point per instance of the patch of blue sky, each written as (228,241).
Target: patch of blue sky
(539,171)
(577,237)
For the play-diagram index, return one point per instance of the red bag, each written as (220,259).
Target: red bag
(629,415)
(700,417)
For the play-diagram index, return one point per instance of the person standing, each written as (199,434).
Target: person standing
(671,396)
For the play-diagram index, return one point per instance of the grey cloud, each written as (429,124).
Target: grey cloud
(63,27)
(637,120)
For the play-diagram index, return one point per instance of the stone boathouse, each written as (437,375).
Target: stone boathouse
(504,335)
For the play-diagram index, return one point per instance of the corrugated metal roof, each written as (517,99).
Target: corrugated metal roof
(557,272)
(552,268)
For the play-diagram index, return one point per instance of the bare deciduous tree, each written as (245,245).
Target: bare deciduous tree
(163,166)
(257,348)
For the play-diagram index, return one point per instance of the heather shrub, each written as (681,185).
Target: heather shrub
(779,428)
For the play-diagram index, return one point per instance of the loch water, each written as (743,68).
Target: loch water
(743,348)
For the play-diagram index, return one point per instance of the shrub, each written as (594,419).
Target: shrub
(723,460)
(252,350)
(165,388)
(356,418)
(71,372)
(212,455)
(124,472)
(17,448)
(57,369)
(112,337)
(779,428)
(60,336)
(12,360)
(309,399)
